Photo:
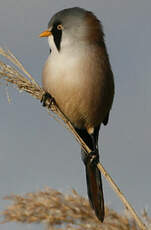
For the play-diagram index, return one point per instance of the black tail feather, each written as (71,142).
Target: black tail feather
(95,190)
(93,175)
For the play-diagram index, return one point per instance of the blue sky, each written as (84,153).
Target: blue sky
(35,150)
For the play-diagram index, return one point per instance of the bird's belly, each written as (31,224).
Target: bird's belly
(69,97)
(77,94)
(73,100)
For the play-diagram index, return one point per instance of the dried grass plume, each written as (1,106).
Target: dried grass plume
(59,211)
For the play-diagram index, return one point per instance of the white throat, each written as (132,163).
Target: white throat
(67,43)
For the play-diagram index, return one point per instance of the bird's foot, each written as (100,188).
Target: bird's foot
(46,96)
(91,159)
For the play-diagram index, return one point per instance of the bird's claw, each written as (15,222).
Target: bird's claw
(46,96)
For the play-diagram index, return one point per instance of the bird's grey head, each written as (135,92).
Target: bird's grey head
(74,25)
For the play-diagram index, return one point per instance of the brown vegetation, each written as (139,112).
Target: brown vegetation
(59,211)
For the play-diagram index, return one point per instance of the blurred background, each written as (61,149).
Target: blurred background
(35,150)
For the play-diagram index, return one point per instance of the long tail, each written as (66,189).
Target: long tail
(95,189)
(93,175)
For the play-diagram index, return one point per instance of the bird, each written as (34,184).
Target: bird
(78,76)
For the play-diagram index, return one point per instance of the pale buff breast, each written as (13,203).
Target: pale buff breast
(77,85)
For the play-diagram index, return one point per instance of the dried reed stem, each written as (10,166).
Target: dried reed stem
(25,82)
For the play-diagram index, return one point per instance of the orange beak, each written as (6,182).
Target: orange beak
(45,33)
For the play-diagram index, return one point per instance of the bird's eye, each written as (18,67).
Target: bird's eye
(59,27)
